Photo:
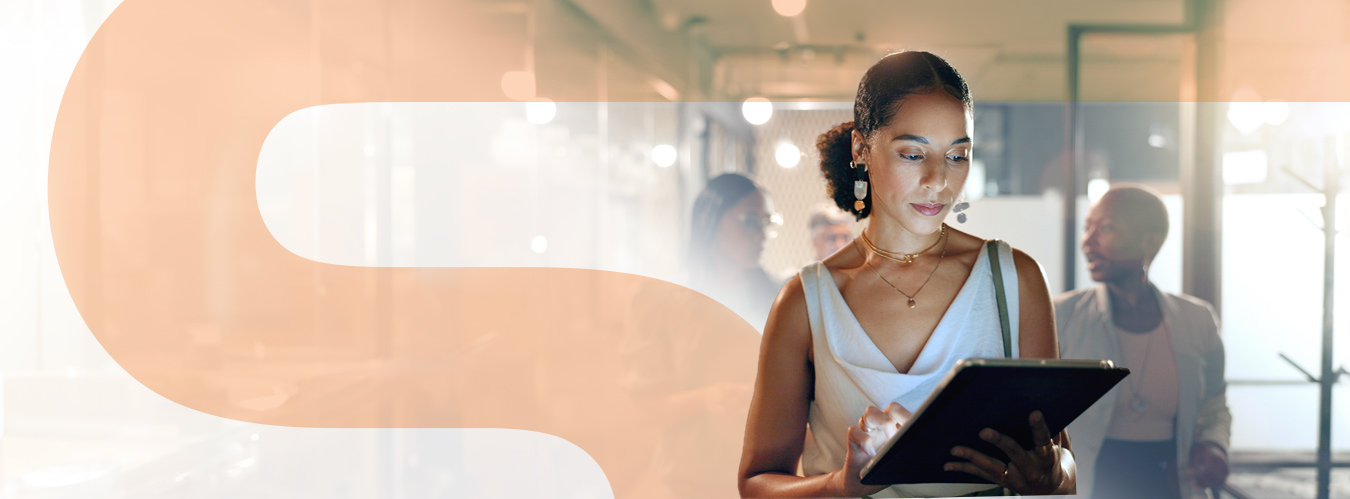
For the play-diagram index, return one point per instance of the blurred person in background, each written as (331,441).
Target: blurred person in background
(831,229)
(1164,431)
(881,322)
(733,218)
(700,410)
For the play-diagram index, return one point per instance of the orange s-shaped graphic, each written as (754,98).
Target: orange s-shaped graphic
(158,234)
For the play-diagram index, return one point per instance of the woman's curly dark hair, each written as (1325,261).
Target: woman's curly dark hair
(885,84)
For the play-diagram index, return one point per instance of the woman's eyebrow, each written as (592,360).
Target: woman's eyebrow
(924,140)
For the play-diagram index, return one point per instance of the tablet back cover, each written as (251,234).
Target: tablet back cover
(988,396)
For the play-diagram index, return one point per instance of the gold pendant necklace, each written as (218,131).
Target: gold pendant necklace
(912,303)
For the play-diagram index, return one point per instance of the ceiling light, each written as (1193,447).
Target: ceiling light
(1097,188)
(757,110)
(1275,112)
(518,85)
(789,8)
(1245,167)
(540,111)
(787,154)
(1244,111)
(664,155)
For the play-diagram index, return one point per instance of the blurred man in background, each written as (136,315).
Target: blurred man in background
(831,229)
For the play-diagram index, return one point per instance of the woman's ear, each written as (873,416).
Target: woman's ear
(1153,244)
(859,147)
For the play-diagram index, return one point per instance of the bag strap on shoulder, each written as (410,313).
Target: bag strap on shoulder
(1001,297)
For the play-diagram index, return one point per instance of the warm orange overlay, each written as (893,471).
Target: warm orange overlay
(159,238)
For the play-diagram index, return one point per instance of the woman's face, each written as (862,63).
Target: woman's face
(741,235)
(918,162)
(1115,245)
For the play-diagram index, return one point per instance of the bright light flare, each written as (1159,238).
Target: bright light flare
(664,155)
(787,155)
(757,110)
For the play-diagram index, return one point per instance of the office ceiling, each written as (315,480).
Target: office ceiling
(1009,50)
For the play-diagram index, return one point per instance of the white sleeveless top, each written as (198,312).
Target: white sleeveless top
(852,373)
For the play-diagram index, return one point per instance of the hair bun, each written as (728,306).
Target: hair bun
(836,152)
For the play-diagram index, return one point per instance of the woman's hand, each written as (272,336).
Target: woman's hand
(874,428)
(1035,471)
(1208,466)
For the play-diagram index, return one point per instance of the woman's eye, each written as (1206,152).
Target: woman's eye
(912,157)
(957,158)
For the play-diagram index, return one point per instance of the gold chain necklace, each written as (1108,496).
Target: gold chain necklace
(913,303)
(902,257)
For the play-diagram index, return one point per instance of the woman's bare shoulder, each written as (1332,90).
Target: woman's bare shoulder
(788,330)
(842,264)
(961,244)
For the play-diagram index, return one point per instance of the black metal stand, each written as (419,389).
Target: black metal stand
(1331,188)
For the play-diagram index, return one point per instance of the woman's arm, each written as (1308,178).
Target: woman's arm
(1038,338)
(1036,325)
(776,429)
(1209,465)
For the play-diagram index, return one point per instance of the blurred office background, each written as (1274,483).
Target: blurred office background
(613,115)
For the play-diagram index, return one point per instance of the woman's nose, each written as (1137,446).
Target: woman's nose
(934,177)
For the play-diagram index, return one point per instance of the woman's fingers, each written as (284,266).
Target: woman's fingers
(874,419)
(1032,471)
(1040,433)
(898,413)
(858,436)
(975,470)
(898,417)
(855,458)
(1025,470)
(990,469)
(1004,443)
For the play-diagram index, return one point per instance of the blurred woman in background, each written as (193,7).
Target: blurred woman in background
(733,218)
(1164,431)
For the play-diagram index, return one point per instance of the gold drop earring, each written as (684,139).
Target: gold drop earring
(859,186)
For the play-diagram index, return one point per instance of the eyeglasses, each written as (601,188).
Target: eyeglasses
(836,239)
(768,223)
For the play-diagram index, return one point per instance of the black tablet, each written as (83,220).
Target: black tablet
(988,393)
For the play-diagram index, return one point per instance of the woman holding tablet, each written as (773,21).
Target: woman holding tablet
(880,324)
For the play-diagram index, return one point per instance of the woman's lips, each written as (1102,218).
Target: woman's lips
(929,209)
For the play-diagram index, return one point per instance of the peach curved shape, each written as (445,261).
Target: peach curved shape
(159,239)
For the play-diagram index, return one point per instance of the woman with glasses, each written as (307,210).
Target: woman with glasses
(733,218)
(880,323)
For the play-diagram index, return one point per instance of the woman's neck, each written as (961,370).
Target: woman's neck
(895,238)
(1130,289)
